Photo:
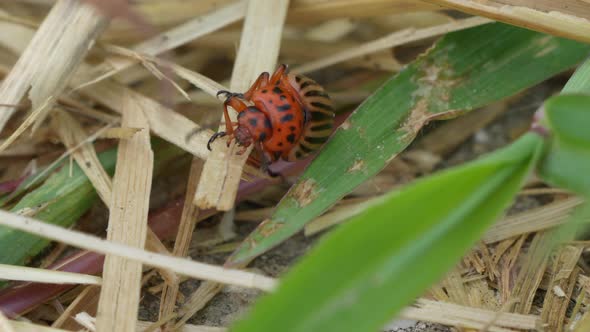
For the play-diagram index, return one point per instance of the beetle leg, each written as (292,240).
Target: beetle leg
(229,94)
(214,137)
(260,83)
(237,105)
(281,71)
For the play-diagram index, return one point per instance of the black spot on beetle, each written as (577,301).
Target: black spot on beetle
(280,144)
(264,91)
(277,90)
(253,122)
(262,137)
(292,128)
(287,118)
(241,114)
(284,108)
(267,123)
(291,138)
(283,97)
(253,109)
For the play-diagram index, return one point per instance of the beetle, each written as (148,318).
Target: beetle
(286,116)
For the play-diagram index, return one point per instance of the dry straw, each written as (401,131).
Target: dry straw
(566,18)
(181,266)
(20,273)
(119,297)
(58,47)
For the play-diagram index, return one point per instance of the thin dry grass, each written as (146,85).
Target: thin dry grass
(397,38)
(470,317)
(181,266)
(566,18)
(21,273)
(119,296)
(188,221)
(73,136)
(58,47)
(86,301)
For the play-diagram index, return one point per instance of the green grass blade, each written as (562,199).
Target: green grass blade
(465,70)
(569,118)
(62,200)
(567,161)
(367,270)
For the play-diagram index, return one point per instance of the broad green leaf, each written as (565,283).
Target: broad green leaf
(62,200)
(567,162)
(364,272)
(463,71)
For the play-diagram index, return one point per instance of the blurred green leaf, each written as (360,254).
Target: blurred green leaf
(463,71)
(567,161)
(364,272)
(62,200)
(569,119)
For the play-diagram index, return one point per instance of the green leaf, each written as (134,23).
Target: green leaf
(567,161)
(368,269)
(464,70)
(62,200)
(568,117)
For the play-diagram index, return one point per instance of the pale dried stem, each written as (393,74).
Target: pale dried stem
(119,133)
(119,297)
(86,301)
(21,273)
(565,18)
(467,317)
(76,140)
(29,121)
(72,134)
(202,82)
(533,220)
(188,220)
(24,326)
(57,48)
(395,39)
(563,280)
(5,324)
(163,121)
(166,41)
(92,243)
(304,11)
